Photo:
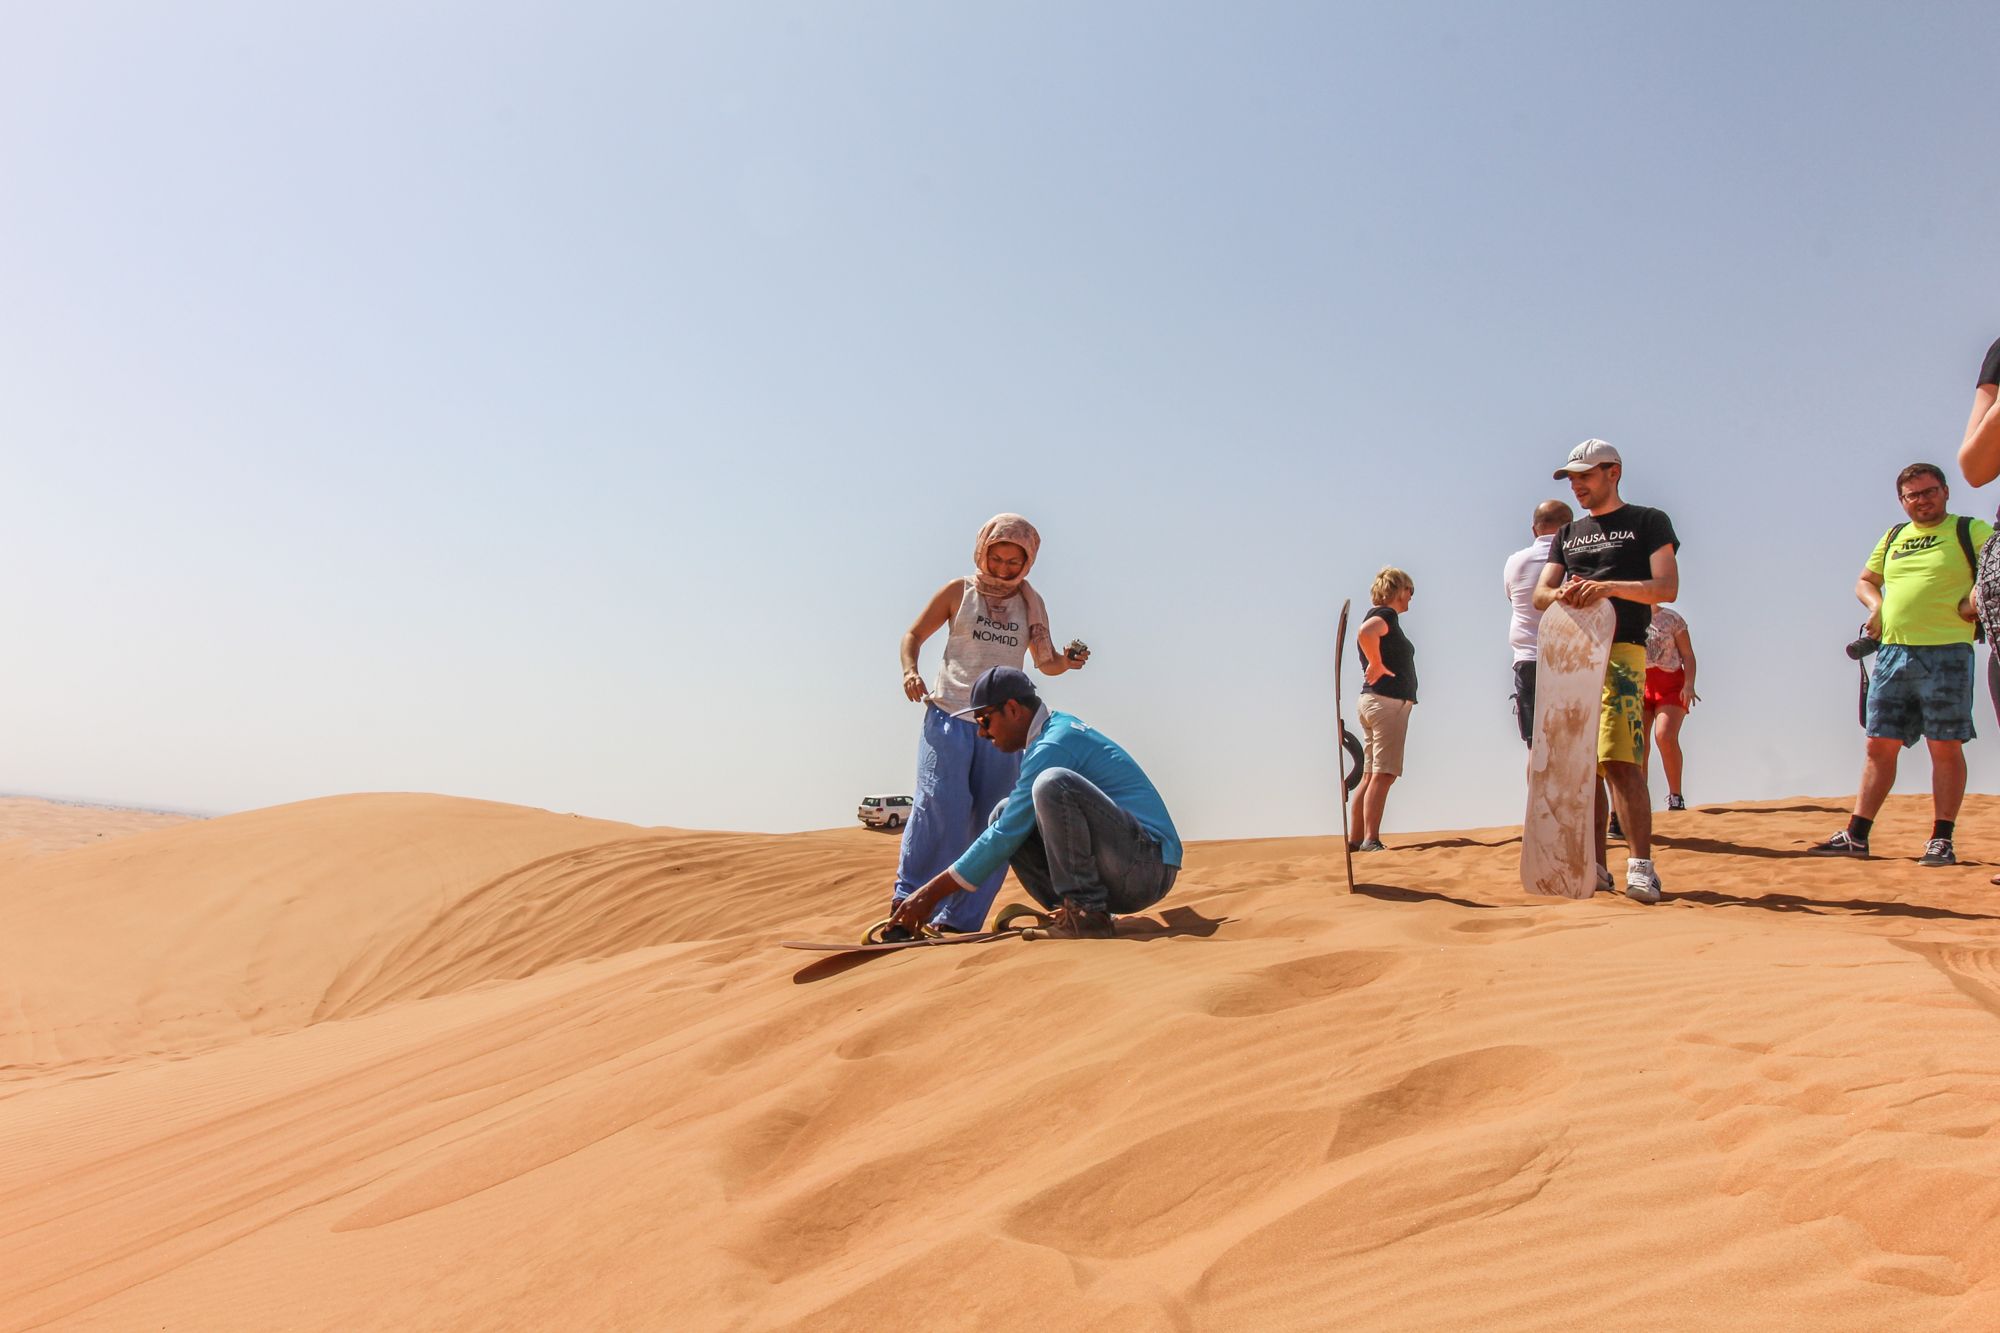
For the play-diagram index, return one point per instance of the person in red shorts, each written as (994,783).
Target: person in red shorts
(1669,693)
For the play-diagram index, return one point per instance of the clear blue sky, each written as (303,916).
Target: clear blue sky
(571,404)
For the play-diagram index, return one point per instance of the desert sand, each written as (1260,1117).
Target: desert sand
(30,825)
(413,1062)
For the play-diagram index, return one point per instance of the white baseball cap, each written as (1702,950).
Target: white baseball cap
(1587,456)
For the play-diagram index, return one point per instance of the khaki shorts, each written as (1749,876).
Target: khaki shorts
(1384,724)
(1621,726)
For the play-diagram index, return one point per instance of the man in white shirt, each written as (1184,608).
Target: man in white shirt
(1522,573)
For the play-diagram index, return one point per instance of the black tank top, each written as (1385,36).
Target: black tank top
(1397,654)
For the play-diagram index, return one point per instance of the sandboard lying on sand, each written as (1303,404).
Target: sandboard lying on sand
(1340,730)
(929,942)
(1016,921)
(1558,844)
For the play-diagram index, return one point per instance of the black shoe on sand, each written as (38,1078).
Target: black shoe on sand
(1938,852)
(1840,844)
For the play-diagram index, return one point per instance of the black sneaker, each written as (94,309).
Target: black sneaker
(1840,844)
(1937,852)
(1676,801)
(1614,831)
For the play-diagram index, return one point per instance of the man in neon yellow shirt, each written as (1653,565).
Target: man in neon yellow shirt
(1918,591)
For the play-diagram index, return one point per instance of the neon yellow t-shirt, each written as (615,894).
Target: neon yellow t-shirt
(1924,577)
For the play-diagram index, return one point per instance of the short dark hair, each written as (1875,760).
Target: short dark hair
(1915,470)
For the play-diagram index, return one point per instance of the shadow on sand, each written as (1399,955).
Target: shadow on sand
(1396,893)
(1717,847)
(1807,808)
(1792,902)
(1182,923)
(1436,843)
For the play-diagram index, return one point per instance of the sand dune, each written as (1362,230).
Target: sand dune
(392,1062)
(29,826)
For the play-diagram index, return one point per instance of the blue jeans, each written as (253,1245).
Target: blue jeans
(1085,848)
(959,774)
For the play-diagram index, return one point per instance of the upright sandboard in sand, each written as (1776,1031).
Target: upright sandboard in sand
(1340,738)
(1558,853)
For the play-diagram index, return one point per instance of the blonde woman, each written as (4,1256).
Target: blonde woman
(1388,694)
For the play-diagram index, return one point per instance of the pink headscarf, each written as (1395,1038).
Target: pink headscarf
(1013,528)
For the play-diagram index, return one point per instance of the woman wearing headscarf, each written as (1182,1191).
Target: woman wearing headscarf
(995,618)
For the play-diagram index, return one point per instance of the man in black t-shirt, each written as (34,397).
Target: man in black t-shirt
(1626,553)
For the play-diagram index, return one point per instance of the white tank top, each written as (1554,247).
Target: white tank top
(978,640)
(1661,649)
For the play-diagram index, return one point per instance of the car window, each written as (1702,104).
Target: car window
(871,800)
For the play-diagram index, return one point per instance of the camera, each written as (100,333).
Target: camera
(1862,647)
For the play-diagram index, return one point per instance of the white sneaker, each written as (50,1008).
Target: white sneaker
(1642,882)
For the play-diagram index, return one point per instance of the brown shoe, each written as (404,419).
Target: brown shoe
(1073,922)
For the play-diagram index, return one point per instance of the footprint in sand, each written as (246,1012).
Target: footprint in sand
(1973,969)
(1492,1081)
(1301,981)
(1176,1182)
(1173,1183)
(1366,1207)
(1487,925)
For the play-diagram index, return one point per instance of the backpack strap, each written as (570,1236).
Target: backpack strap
(1965,543)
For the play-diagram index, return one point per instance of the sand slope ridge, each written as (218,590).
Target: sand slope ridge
(408,1061)
(186,937)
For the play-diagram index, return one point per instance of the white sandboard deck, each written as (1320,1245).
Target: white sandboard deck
(1558,858)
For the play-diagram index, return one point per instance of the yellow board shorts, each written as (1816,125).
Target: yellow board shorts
(1621,725)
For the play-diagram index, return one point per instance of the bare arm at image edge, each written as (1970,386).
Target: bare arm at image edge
(1979,454)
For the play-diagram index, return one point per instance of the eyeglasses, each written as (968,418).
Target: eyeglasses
(1924,494)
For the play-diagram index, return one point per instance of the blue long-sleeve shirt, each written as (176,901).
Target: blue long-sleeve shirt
(1066,742)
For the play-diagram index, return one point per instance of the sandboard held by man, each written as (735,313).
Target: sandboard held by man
(1624,554)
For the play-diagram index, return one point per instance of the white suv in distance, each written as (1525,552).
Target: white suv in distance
(884,811)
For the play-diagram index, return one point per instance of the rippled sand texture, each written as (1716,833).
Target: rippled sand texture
(394,1062)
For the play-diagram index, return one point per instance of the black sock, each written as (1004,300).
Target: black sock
(1942,829)
(1857,828)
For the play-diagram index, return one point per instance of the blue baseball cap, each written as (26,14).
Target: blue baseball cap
(996,685)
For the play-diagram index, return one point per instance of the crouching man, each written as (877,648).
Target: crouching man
(1083,828)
